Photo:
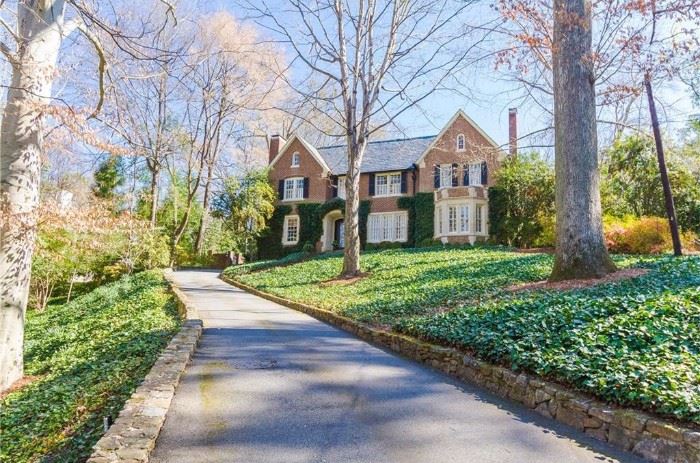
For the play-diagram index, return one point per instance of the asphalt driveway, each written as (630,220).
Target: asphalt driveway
(268,384)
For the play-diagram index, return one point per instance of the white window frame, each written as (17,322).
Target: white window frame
(446,175)
(475,174)
(387,226)
(479,218)
(285,230)
(293,189)
(453,218)
(461,138)
(341,187)
(390,184)
(296,159)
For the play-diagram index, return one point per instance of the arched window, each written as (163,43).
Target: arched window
(295,160)
(460,142)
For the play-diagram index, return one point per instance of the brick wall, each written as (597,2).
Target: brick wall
(319,186)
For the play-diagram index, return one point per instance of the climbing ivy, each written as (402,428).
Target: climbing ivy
(420,209)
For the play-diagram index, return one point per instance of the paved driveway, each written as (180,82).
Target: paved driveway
(268,384)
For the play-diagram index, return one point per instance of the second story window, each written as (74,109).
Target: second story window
(296,161)
(341,187)
(293,188)
(461,144)
(446,175)
(387,184)
(475,174)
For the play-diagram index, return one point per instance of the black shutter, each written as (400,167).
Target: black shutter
(371,184)
(334,186)
(484,173)
(455,178)
(436,176)
(280,189)
(465,175)
(404,182)
(306,187)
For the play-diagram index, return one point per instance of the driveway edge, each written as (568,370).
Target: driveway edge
(133,435)
(651,437)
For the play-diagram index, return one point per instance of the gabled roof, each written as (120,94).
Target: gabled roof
(380,156)
(310,148)
(469,120)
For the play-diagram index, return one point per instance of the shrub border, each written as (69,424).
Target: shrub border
(133,435)
(650,437)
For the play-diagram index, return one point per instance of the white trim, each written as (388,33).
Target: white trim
(460,113)
(402,227)
(464,142)
(296,156)
(295,181)
(388,184)
(442,207)
(308,147)
(285,230)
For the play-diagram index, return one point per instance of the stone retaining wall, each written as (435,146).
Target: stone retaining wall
(133,434)
(653,438)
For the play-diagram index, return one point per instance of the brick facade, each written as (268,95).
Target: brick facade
(419,175)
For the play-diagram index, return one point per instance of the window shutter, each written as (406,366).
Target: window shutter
(484,173)
(455,178)
(334,186)
(371,184)
(280,189)
(436,176)
(404,182)
(306,187)
(465,175)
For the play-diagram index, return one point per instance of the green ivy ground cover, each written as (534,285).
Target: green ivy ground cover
(89,355)
(634,342)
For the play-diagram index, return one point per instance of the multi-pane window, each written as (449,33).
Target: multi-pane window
(296,160)
(290,233)
(460,142)
(293,188)
(479,221)
(341,187)
(387,185)
(391,226)
(452,219)
(463,218)
(445,175)
(475,174)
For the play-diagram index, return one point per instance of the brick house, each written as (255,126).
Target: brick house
(452,170)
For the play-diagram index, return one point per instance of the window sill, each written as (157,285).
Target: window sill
(389,196)
(385,241)
(290,243)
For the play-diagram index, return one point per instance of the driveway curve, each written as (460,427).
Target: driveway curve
(268,384)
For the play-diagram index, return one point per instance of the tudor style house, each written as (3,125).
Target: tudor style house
(456,167)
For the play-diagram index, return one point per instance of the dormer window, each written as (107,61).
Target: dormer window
(461,144)
(295,160)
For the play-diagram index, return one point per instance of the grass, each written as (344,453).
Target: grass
(634,342)
(89,355)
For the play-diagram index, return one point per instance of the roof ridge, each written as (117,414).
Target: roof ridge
(422,137)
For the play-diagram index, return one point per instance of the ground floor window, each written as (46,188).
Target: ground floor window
(479,218)
(388,226)
(455,218)
(290,233)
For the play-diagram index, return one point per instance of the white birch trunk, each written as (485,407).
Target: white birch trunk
(40,26)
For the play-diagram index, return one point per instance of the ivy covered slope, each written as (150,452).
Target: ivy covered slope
(635,342)
(401,282)
(88,356)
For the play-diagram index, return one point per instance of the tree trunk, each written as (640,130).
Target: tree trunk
(580,244)
(199,243)
(668,194)
(351,258)
(154,193)
(21,145)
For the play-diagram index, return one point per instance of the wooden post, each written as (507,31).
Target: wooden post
(668,195)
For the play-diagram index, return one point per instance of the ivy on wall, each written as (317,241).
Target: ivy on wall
(270,241)
(421,212)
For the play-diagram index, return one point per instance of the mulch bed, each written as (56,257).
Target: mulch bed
(19,384)
(579,284)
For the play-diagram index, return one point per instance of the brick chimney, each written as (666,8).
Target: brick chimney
(513,131)
(276,142)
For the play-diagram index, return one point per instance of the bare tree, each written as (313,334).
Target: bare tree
(35,34)
(370,62)
(580,245)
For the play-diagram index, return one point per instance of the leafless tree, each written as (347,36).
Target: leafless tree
(369,61)
(35,31)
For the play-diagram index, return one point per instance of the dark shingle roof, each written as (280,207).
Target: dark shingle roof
(380,156)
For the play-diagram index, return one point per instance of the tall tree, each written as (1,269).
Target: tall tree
(580,244)
(34,42)
(108,177)
(368,62)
